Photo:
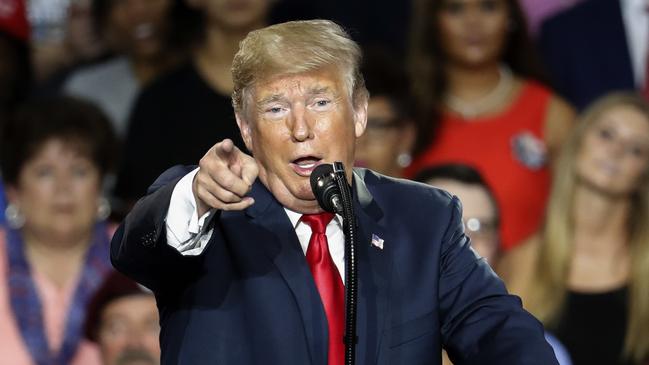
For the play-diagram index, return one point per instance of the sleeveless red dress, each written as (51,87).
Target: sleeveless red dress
(509,150)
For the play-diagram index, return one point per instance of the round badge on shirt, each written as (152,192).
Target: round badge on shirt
(529,150)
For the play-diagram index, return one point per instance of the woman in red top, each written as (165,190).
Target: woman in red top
(476,78)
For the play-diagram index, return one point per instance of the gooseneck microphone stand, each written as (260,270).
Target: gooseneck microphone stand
(329,185)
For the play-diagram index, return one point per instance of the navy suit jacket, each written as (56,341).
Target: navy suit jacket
(586,51)
(249,298)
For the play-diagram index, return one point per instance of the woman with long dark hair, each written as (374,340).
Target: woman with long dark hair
(480,92)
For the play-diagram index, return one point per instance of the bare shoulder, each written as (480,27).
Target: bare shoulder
(559,120)
(560,107)
(516,266)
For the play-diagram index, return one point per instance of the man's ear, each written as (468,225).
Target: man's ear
(360,118)
(244,129)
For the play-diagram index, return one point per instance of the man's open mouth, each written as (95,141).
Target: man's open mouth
(303,166)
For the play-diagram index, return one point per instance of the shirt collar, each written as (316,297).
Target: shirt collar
(295,218)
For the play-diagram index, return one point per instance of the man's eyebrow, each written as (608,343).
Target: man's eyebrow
(273,98)
(319,90)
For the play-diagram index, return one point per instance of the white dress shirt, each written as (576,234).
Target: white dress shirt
(635,15)
(335,237)
(188,233)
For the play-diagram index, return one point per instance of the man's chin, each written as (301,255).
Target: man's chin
(302,206)
(306,195)
(294,194)
(301,201)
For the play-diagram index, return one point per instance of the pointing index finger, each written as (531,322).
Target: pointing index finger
(225,149)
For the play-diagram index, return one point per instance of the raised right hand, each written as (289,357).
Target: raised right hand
(224,178)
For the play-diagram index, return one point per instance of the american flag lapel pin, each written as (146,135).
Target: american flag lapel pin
(377,241)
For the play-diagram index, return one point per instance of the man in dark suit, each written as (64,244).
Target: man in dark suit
(223,246)
(587,53)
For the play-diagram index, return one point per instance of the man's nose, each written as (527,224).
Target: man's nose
(301,126)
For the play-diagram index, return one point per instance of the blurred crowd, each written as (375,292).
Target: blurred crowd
(533,112)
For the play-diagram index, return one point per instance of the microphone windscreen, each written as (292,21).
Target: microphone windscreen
(321,171)
(324,187)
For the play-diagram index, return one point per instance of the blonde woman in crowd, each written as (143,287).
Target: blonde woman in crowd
(585,275)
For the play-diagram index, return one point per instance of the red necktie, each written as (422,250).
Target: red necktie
(330,285)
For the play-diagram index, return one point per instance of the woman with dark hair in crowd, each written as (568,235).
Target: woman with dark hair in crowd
(585,275)
(192,102)
(135,32)
(55,251)
(478,85)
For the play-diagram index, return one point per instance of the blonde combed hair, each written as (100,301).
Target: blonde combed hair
(547,299)
(293,48)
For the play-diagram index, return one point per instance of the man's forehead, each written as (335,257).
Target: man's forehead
(316,82)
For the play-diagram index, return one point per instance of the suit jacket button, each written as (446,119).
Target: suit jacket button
(148,239)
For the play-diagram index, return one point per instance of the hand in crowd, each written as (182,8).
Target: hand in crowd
(224,178)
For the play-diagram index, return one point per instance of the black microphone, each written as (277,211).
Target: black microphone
(325,189)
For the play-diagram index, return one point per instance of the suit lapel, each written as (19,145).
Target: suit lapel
(285,251)
(374,270)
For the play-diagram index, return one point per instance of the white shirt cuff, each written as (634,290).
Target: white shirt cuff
(186,232)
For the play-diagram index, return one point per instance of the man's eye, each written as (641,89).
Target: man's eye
(322,104)
(274,110)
